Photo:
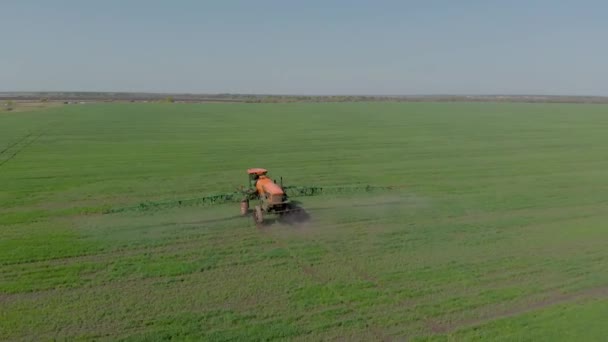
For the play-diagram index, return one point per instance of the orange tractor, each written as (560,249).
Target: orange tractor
(271,196)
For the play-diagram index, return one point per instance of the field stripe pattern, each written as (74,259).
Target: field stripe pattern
(487,222)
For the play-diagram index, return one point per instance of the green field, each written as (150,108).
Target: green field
(497,230)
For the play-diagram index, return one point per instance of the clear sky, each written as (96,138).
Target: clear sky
(306,47)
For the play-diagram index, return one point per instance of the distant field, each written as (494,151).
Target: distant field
(498,229)
(26,106)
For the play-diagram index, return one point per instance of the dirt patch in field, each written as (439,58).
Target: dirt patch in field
(23,106)
(491,313)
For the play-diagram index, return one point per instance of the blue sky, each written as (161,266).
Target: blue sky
(306,47)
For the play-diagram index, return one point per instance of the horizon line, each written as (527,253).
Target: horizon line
(293,94)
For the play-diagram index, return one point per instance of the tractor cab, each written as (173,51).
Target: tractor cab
(255,174)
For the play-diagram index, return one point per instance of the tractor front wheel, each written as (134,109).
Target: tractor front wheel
(258,217)
(244,207)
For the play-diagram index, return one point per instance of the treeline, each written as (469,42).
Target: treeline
(285,99)
(76,97)
(430,98)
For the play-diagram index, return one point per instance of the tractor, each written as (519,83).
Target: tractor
(271,196)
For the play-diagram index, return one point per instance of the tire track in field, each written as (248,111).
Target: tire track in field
(311,273)
(362,275)
(103,256)
(522,307)
(24,143)
(18,141)
(19,150)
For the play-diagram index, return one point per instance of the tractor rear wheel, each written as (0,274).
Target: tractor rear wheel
(258,217)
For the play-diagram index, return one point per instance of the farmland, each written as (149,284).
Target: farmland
(495,228)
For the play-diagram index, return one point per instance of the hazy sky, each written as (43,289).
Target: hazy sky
(306,47)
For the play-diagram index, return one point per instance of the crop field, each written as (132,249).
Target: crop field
(492,223)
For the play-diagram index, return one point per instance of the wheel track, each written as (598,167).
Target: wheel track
(24,143)
(311,273)
(23,147)
(523,306)
(11,145)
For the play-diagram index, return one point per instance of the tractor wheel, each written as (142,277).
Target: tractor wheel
(258,217)
(244,207)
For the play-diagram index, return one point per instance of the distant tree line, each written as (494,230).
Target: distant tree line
(263,98)
(286,99)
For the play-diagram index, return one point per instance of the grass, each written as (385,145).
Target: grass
(497,233)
